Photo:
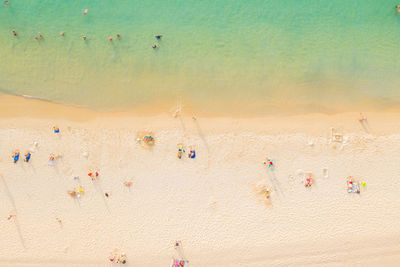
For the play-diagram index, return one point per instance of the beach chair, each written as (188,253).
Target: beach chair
(179,263)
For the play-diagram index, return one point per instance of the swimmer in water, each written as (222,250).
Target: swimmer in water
(155,46)
(85,12)
(110,39)
(14,33)
(6,3)
(62,33)
(84,37)
(40,37)
(118,35)
(158,37)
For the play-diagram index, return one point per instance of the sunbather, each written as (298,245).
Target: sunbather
(309,180)
(270,163)
(192,153)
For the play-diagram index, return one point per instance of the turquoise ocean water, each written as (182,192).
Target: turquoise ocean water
(215,56)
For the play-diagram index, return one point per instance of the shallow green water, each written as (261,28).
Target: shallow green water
(217,56)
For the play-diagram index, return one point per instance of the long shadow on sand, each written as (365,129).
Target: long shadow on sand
(99,189)
(11,198)
(275,182)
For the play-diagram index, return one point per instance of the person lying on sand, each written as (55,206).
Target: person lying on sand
(15,156)
(192,153)
(148,139)
(270,163)
(128,183)
(56,129)
(309,180)
(72,193)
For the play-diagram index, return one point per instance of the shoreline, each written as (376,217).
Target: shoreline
(15,108)
(27,106)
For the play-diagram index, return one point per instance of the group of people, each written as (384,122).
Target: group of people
(84,37)
(16,155)
(181,150)
(117,257)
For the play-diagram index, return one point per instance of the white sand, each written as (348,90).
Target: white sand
(208,203)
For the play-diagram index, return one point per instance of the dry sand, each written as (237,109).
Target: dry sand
(209,203)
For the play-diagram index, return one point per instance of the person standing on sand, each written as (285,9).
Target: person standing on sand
(27,156)
(16,156)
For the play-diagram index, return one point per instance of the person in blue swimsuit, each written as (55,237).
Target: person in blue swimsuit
(192,153)
(27,156)
(16,156)
(56,129)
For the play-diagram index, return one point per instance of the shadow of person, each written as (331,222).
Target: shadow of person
(15,218)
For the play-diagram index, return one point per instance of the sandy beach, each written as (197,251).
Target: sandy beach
(212,203)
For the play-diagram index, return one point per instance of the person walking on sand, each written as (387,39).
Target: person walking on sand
(52,159)
(181,150)
(16,156)
(27,156)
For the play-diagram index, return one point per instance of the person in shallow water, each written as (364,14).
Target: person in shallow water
(14,33)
